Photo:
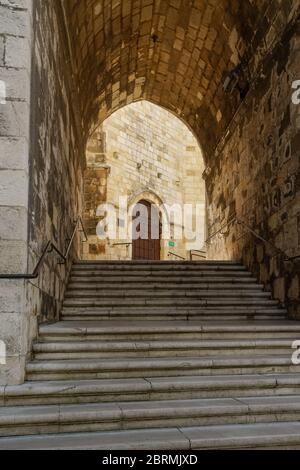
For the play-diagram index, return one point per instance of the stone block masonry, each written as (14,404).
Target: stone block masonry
(57,160)
(148,154)
(41,167)
(15,72)
(255,176)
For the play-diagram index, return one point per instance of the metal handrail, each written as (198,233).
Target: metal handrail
(122,244)
(195,253)
(220,230)
(50,248)
(238,221)
(170,253)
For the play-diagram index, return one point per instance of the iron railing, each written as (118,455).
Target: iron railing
(256,235)
(50,248)
(198,254)
(171,253)
(127,244)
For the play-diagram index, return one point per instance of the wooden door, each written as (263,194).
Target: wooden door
(146,232)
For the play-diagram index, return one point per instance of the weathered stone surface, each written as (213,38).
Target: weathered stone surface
(57,154)
(256,169)
(13,223)
(16,52)
(13,153)
(14,119)
(1,51)
(13,22)
(15,80)
(15,45)
(13,187)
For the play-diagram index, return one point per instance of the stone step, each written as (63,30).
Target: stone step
(157,367)
(196,301)
(146,274)
(149,388)
(188,313)
(208,272)
(196,348)
(168,330)
(242,318)
(198,278)
(156,263)
(54,419)
(235,436)
(131,281)
(235,294)
(163,286)
(138,371)
(148,313)
(159,265)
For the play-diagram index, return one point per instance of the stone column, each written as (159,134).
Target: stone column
(15,68)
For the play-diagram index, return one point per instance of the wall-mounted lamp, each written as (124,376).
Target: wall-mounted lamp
(235,80)
(231,81)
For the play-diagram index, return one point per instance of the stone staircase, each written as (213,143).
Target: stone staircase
(159,355)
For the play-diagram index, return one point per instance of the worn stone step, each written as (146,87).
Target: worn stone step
(55,419)
(157,367)
(174,275)
(235,436)
(92,313)
(190,314)
(234,317)
(149,388)
(168,330)
(196,348)
(154,273)
(170,301)
(159,266)
(160,286)
(144,310)
(235,294)
(131,281)
(136,370)
(155,262)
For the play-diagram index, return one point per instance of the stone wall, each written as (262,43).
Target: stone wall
(254,175)
(15,72)
(95,191)
(57,159)
(148,154)
(41,167)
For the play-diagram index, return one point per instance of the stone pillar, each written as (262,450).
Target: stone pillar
(15,69)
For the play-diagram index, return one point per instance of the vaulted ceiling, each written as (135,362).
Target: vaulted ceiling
(171,52)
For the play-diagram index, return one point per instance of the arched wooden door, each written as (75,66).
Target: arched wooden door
(146,232)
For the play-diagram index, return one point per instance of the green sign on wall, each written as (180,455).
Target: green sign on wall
(172,244)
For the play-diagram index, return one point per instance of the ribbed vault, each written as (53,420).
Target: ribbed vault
(173,53)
